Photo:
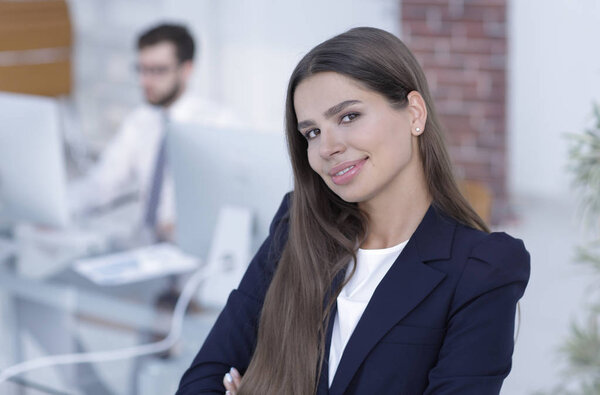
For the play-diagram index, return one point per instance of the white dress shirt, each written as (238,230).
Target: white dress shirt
(127,163)
(371,267)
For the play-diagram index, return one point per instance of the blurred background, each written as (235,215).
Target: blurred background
(510,79)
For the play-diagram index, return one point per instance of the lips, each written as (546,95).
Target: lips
(343,166)
(345,172)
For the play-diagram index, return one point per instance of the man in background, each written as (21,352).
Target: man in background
(135,161)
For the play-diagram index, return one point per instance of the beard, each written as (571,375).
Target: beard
(169,97)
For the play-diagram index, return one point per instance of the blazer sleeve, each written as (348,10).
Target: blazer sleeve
(232,339)
(476,354)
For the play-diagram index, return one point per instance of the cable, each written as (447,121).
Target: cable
(124,353)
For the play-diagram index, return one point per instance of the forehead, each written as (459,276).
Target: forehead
(322,90)
(163,52)
(327,83)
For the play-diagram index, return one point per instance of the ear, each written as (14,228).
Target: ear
(417,110)
(186,69)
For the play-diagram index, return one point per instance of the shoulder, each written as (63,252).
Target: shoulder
(466,250)
(493,248)
(279,228)
(499,247)
(195,109)
(283,212)
(140,113)
(494,260)
(141,119)
(499,253)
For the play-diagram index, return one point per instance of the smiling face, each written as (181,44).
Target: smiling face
(362,147)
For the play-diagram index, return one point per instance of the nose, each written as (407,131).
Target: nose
(331,143)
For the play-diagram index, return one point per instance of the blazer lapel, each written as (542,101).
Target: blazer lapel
(323,387)
(404,286)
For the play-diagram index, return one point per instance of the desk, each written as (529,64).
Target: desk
(66,313)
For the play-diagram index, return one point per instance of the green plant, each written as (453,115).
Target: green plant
(581,348)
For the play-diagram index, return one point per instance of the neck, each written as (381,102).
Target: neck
(394,217)
(168,104)
(168,101)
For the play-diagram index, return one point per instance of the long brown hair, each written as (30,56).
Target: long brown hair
(324,229)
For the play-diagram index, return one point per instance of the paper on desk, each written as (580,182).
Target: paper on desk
(136,265)
(42,252)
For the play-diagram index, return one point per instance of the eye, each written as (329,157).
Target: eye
(349,117)
(312,133)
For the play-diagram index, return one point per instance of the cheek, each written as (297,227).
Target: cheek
(393,148)
(401,149)
(167,83)
(403,142)
(144,81)
(312,153)
(164,83)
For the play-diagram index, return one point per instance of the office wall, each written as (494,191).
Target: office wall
(248,50)
(263,40)
(554,76)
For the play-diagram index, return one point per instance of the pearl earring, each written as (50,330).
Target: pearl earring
(418,130)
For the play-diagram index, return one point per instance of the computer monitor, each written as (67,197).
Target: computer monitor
(213,167)
(32,167)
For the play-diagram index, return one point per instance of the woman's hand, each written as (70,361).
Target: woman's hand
(232,381)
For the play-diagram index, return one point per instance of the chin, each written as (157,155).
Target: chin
(349,195)
(152,101)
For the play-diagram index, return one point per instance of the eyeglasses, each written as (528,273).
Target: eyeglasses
(154,71)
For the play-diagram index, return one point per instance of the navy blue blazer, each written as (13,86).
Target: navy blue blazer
(440,322)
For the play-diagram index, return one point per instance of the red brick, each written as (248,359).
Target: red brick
(428,59)
(474,171)
(413,12)
(495,29)
(429,43)
(501,3)
(490,140)
(424,3)
(423,28)
(475,12)
(469,29)
(478,46)
(498,46)
(495,75)
(490,62)
(495,110)
(455,77)
(498,86)
(461,45)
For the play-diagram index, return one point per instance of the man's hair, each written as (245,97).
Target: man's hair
(176,34)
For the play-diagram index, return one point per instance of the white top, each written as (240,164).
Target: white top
(127,163)
(371,267)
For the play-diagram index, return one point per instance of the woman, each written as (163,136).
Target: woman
(377,276)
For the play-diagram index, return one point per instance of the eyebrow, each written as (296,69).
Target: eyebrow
(329,113)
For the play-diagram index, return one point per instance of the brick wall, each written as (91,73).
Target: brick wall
(461,45)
